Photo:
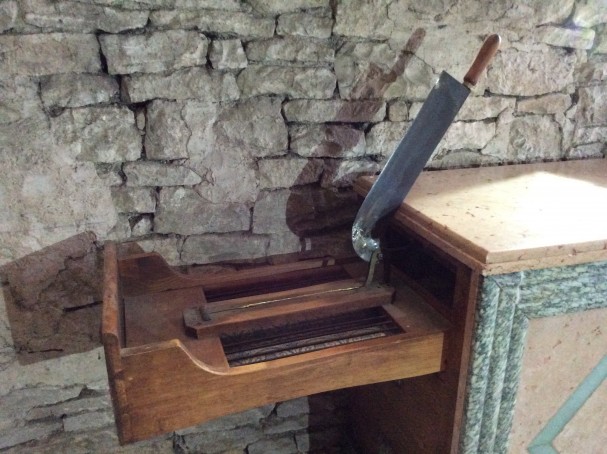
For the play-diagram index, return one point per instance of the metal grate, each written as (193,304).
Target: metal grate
(306,336)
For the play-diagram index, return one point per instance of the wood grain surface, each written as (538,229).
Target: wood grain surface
(508,218)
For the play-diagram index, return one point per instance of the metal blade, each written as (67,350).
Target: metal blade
(407,162)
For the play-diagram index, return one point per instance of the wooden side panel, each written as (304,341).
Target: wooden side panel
(168,389)
(422,414)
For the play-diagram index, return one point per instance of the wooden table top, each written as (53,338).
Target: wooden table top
(509,218)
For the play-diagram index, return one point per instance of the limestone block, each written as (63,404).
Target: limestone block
(154,52)
(343,173)
(99,134)
(15,436)
(42,205)
(189,83)
(137,4)
(134,200)
(534,138)
(331,141)
(220,442)
(334,110)
(49,53)
(284,445)
(183,211)
(592,108)
(467,135)
(102,440)
(63,372)
(293,407)
(547,104)
(213,248)
(142,226)
(363,19)
(462,159)
(451,48)
(290,49)
(590,135)
(17,404)
(250,417)
(167,134)
(588,151)
(286,425)
(61,15)
(146,173)
(591,72)
(383,138)
(20,100)
(539,12)
(530,73)
(121,230)
(589,13)
(226,5)
(287,172)
(305,24)
(398,110)
(481,107)
(228,171)
(566,37)
(220,152)
(87,421)
(601,42)
(362,72)
(283,243)
(77,90)
(280,6)
(8,15)
(169,247)
(317,83)
(227,54)
(255,127)
(214,21)
(271,211)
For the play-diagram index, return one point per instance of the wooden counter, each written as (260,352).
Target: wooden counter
(490,249)
(504,219)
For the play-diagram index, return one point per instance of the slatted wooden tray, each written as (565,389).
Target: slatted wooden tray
(184,349)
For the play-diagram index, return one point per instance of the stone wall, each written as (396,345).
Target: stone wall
(229,131)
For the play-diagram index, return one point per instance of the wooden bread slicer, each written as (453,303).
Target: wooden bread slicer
(182,349)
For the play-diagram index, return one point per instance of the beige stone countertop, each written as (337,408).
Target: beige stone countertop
(509,218)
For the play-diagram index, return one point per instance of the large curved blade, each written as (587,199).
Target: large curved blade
(407,162)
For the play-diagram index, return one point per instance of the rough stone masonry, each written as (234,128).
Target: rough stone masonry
(230,130)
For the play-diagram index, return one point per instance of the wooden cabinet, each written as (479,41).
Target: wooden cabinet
(487,248)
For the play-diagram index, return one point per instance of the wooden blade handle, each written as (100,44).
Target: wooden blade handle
(484,56)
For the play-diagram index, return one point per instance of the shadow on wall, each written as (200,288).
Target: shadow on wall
(53,296)
(53,299)
(310,212)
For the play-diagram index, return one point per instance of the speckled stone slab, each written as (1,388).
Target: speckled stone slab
(507,303)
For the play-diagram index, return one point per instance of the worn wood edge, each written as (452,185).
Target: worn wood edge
(110,314)
(468,290)
(578,258)
(282,296)
(479,258)
(112,339)
(179,347)
(426,349)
